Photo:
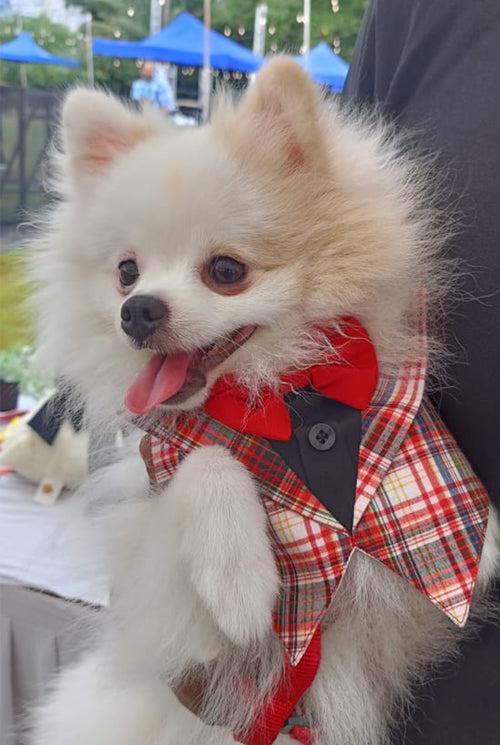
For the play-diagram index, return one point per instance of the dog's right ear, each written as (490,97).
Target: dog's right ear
(97,128)
(276,128)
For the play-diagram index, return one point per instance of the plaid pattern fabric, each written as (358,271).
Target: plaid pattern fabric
(419,508)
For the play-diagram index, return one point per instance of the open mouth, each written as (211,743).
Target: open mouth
(174,378)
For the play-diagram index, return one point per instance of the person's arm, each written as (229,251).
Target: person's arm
(166,98)
(433,67)
(136,91)
(360,82)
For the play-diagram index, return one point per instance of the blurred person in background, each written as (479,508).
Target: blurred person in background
(433,67)
(153,88)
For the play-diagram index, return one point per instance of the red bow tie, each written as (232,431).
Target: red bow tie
(350,378)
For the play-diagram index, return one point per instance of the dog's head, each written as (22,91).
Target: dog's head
(179,255)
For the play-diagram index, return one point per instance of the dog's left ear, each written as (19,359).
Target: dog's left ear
(97,129)
(278,126)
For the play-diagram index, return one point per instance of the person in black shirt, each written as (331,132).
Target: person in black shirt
(434,67)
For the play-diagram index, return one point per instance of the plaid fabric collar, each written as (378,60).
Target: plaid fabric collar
(385,426)
(419,508)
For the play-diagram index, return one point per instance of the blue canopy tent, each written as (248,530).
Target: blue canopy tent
(123,49)
(181,43)
(324,66)
(24,49)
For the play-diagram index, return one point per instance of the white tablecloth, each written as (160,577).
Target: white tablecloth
(49,548)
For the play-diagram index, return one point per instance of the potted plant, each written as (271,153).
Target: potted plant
(16,376)
(9,380)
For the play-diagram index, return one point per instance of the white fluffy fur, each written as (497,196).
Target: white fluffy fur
(380,638)
(332,221)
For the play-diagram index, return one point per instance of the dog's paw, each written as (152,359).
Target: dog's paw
(225,543)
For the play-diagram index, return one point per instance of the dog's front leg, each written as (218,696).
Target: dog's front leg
(224,542)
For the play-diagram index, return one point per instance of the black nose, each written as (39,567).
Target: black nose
(142,315)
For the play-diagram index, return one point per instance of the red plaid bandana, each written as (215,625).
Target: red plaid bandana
(419,508)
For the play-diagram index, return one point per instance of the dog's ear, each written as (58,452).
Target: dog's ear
(96,129)
(278,123)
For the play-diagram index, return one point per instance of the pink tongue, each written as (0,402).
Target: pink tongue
(159,379)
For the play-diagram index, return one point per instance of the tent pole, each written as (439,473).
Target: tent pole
(89,52)
(23,74)
(22,125)
(155,17)
(205,73)
(259,32)
(307,27)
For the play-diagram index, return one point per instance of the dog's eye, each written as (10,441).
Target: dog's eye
(227,271)
(129,273)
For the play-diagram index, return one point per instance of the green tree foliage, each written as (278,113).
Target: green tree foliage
(342,25)
(111,20)
(53,37)
(284,31)
(111,16)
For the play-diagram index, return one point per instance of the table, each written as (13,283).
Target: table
(39,635)
(51,584)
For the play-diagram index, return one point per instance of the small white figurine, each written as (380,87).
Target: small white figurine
(49,448)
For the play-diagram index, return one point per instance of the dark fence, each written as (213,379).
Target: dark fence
(27,121)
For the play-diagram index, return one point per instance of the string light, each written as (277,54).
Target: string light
(241,30)
(300,18)
(227,31)
(274,47)
(161,2)
(272,30)
(117,33)
(116,63)
(227,75)
(131,12)
(335,6)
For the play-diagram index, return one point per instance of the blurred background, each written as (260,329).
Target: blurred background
(47,46)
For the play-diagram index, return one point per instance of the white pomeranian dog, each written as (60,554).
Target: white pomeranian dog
(176,257)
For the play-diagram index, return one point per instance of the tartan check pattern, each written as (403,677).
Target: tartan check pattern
(419,508)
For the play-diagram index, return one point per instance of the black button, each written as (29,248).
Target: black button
(322,436)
